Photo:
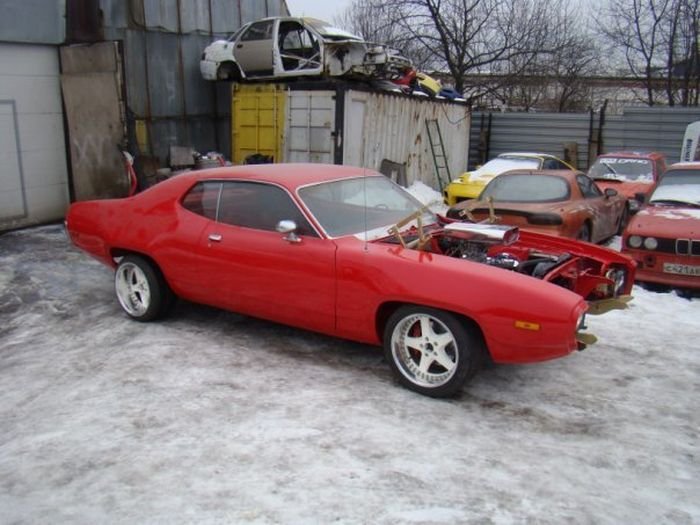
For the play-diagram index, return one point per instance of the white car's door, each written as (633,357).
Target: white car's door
(253,49)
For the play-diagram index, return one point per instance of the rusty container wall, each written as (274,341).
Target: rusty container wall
(168,103)
(381,126)
(337,123)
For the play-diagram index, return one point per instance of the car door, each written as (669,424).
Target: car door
(253,50)
(298,51)
(249,267)
(604,211)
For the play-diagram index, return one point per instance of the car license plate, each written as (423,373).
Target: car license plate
(681,269)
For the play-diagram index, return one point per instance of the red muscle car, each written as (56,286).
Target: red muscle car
(557,202)
(344,251)
(631,173)
(664,237)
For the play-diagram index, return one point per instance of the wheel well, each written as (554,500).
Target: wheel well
(387,309)
(117,253)
(233,72)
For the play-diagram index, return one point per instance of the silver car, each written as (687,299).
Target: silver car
(279,47)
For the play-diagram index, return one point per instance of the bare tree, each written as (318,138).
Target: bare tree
(682,53)
(379,22)
(459,37)
(637,28)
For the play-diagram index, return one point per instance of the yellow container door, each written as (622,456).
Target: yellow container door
(257,121)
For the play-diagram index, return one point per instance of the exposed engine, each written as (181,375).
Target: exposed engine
(502,247)
(489,244)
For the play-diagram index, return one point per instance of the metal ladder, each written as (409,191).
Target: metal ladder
(437,149)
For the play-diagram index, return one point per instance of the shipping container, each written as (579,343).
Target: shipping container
(416,138)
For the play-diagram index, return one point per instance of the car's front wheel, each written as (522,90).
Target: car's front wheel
(431,351)
(142,292)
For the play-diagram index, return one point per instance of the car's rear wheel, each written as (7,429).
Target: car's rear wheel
(431,351)
(141,290)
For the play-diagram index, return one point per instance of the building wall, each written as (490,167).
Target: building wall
(31,22)
(162,44)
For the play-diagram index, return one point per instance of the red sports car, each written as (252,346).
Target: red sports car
(345,251)
(631,173)
(557,202)
(664,237)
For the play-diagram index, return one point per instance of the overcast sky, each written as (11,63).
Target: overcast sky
(325,10)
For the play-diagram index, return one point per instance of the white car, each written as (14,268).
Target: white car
(279,47)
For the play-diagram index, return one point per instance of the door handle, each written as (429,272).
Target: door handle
(215,237)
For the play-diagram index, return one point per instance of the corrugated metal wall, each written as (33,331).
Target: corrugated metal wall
(651,129)
(394,128)
(163,41)
(657,129)
(33,22)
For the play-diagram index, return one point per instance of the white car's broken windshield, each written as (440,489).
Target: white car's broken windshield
(329,31)
(364,206)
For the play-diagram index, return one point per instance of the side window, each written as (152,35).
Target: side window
(559,165)
(260,206)
(202,199)
(588,187)
(258,31)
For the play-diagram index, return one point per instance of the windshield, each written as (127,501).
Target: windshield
(622,168)
(527,188)
(682,186)
(500,165)
(365,206)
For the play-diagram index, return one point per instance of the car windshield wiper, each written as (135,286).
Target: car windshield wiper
(675,202)
(609,168)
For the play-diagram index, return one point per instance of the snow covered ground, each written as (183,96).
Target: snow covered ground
(217,418)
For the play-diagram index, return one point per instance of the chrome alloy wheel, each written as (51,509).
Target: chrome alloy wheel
(133,289)
(424,350)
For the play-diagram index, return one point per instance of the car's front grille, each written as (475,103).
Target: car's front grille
(688,247)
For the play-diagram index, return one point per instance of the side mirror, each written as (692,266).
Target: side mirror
(288,227)
(640,197)
(609,192)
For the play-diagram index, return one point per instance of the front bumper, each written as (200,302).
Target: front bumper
(460,191)
(662,268)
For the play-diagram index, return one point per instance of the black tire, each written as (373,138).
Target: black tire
(454,348)
(141,289)
(584,234)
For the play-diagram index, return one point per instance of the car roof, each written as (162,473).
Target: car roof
(633,154)
(528,154)
(569,175)
(326,29)
(693,165)
(290,175)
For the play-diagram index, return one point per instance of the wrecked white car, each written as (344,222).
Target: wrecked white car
(280,47)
